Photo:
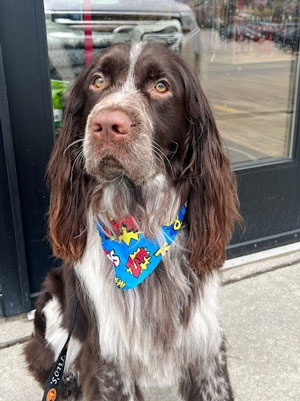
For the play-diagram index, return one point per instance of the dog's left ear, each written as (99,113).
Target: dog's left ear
(212,201)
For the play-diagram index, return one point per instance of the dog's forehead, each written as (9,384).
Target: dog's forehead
(114,61)
(154,58)
(152,61)
(135,62)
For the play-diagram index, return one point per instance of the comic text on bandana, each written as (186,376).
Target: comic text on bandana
(134,256)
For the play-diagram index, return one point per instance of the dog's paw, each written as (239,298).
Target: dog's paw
(70,389)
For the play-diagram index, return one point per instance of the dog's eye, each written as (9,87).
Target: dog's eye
(98,82)
(161,87)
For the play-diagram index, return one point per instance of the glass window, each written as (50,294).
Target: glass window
(245,52)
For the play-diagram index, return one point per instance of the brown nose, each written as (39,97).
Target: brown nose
(111,124)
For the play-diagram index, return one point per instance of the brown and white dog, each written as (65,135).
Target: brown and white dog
(138,139)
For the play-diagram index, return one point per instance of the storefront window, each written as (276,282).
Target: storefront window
(245,52)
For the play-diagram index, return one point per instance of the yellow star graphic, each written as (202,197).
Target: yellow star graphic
(128,236)
(163,249)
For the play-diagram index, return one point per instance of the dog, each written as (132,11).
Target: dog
(138,145)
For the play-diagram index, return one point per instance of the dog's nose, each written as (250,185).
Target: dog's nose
(112,124)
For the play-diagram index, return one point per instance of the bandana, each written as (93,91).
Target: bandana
(133,255)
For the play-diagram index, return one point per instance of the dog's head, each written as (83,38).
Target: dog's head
(135,114)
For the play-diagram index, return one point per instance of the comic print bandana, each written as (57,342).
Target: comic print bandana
(133,256)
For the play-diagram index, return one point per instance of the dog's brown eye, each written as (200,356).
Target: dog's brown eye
(161,87)
(98,82)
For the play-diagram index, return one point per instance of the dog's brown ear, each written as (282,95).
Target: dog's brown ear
(65,173)
(213,201)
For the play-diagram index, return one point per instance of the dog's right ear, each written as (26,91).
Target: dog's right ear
(67,182)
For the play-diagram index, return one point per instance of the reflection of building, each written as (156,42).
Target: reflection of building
(208,12)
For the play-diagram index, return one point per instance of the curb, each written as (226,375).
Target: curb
(250,266)
(11,343)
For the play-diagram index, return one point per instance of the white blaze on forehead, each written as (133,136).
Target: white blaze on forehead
(135,51)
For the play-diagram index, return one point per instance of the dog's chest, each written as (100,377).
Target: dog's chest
(143,333)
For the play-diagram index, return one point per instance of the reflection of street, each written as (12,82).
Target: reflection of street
(251,93)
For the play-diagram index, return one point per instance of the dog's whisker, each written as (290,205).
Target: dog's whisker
(79,157)
(176,143)
(160,152)
(158,157)
(158,146)
(73,143)
(113,179)
(82,232)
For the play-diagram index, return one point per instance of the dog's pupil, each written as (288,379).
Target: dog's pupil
(99,81)
(161,86)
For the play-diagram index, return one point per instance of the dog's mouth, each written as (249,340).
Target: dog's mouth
(110,168)
(111,162)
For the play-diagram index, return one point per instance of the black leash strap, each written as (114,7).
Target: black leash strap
(54,380)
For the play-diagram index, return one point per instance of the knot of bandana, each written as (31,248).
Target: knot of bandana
(134,256)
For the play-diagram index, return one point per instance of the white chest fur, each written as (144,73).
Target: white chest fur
(129,320)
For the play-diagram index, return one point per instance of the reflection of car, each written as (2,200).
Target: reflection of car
(252,32)
(255,31)
(288,37)
(115,21)
(241,32)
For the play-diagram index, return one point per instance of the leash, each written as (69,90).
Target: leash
(54,380)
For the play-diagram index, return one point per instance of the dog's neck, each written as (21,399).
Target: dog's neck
(151,205)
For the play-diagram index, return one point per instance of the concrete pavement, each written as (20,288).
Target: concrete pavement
(260,305)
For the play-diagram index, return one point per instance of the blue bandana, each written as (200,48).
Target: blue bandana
(133,256)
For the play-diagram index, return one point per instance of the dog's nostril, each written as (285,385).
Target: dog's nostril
(98,128)
(116,129)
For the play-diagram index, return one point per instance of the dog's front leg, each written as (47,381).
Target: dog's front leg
(207,380)
(114,387)
(102,381)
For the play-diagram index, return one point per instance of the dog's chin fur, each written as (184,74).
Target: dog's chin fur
(165,331)
(109,169)
(151,204)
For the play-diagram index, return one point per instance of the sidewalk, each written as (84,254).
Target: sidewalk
(260,306)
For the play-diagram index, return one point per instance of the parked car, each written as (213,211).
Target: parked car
(114,21)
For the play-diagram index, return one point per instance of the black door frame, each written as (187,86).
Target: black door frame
(269,193)
(28,135)
(12,241)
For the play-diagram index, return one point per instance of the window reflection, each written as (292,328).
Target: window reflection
(248,69)
(245,53)
(74,26)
